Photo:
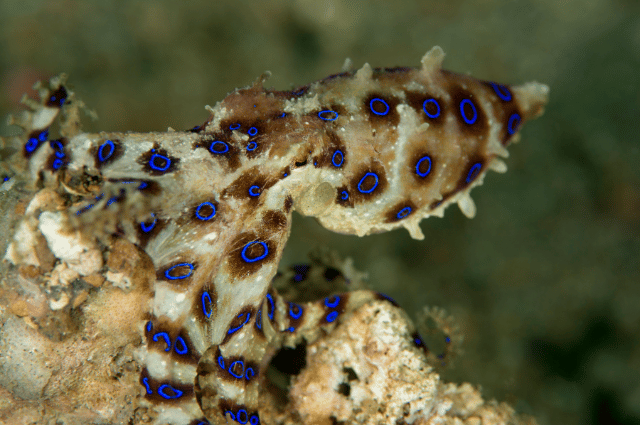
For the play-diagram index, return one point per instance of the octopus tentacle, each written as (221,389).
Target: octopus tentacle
(365,151)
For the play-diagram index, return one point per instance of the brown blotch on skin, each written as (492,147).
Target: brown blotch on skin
(58,154)
(238,267)
(418,342)
(436,204)
(57,98)
(118,151)
(201,302)
(147,187)
(391,118)
(294,309)
(175,270)
(240,187)
(462,180)
(191,356)
(504,135)
(412,167)
(34,135)
(145,237)
(416,101)
(205,211)
(392,215)
(227,405)
(155,385)
(339,109)
(159,157)
(340,308)
(242,319)
(233,367)
(332,143)
(480,127)
(362,181)
(348,202)
(288,204)
(274,221)
(230,158)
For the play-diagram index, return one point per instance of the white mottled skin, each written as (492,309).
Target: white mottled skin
(386,145)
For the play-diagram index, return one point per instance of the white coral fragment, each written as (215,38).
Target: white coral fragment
(69,246)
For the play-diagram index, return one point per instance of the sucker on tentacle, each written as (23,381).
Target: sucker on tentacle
(363,152)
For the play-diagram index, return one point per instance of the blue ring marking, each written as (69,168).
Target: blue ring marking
(86,208)
(254,190)
(237,376)
(383,102)
(418,341)
(207,217)
(322,115)
(145,381)
(166,338)
(101,156)
(252,131)
(426,173)
(230,413)
(31,144)
(246,259)
(295,316)
(57,164)
(344,195)
(182,351)
(254,420)
(242,420)
(447,340)
(221,362)
(246,374)
(334,303)
(502,92)
(176,393)
(219,151)
(403,213)
(435,102)
(232,330)
(206,300)
(251,146)
(362,181)
(154,157)
(272,307)
(388,298)
(284,114)
(333,159)
(149,326)
(332,316)
(148,227)
(259,318)
(57,146)
(235,126)
(43,135)
(514,123)
(474,171)
(183,276)
(143,185)
(472,120)
(291,329)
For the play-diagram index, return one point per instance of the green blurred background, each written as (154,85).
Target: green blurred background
(544,282)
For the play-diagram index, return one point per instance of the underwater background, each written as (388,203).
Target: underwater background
(544,283)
